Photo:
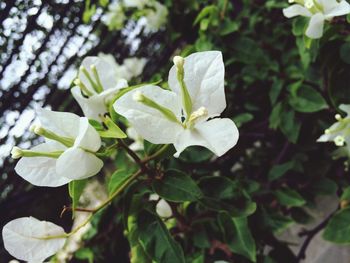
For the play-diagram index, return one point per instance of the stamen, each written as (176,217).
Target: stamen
(139,97)
(200,113)
(99,84)
(338,117)
(39,130)
(186,98)
(83,88)
(87,75)
(17,153)
(339,140)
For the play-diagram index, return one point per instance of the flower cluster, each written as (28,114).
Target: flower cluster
(185,115)
(339,132)
(318,11)
(154,13)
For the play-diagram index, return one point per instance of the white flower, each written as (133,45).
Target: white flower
(131,67)
(318,11)
(156,17)
(135,3)
(115,16)
(68,153)
(32,240)
(137,145)
(185,115)
(339,132)
(97,83)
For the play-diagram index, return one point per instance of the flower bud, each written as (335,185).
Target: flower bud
(179,61)
(138,96)
(338,117)
(16,152)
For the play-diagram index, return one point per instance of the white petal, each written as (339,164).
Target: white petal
(106,70)
(331,136)
(345,108)
(218,135)
(315,28)
(334,8)
(88,137)
(296,10)
(77,164)
(204,78)
(149,123)
(92,107)
(135,65)
(343,8)
(63,123)
(163,209)
(21,235)
(41,171)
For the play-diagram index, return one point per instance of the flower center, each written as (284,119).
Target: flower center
(195,116)
(93,79)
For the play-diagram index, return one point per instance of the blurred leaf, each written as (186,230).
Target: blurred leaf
(307,100)
(289,197)
(243,118)
(345,52)
(278,171)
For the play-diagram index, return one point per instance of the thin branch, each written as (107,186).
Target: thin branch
(310,234)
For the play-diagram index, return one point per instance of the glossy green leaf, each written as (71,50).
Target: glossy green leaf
(177,187)
(117,179)
(338,228)
(237,235)
(75,189)
(156,239)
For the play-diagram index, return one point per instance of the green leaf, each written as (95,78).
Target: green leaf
(346,194)
(279,170)
(275,90)
(275,221)
(205,12)
(289,197)
(176,186)
(113,131)
(338,228)
(156,239)
(290,126)
(222,194)
(299,25)
(248,51)
(275,116)
(85,253)
(237,235)
(117,179)
(324,186)
(307,100)
(75,189)
(243,118)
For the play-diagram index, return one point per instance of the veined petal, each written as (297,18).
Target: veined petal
(76,164)
(88,137)
(315,28)
(41,171)
(204,77)
(296,10)
(21,239)
(149,123)
(62,123)
(336,9)
(218,135)
(106,71)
